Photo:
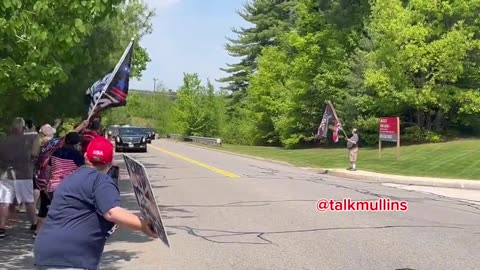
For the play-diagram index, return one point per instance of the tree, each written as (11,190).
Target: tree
(307,68)
(423,62)
(151,109)
(269,18)
(46,57)
(197,108)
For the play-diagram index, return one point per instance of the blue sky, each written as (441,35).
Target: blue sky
(189,36)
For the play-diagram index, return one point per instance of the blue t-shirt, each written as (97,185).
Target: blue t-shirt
(75,230)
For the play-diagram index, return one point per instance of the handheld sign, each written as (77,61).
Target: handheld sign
(389,131)
(145,197)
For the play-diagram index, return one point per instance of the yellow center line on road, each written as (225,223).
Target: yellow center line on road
(206,166)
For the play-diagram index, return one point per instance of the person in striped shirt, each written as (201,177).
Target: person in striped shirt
(63,162)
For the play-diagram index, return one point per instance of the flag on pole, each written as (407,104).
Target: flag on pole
(330,115)
(112,89)
(336,127)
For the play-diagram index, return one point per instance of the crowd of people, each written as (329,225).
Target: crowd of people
(29,175)
(64,184)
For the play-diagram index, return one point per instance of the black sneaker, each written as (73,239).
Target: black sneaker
(3,233)
(35,235)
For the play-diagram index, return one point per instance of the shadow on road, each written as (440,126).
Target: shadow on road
(16,250)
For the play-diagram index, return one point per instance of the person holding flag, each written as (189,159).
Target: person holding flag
(91,132)
(352,142)
(108,92)
(352,146)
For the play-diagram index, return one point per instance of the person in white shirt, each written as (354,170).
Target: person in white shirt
(16,171)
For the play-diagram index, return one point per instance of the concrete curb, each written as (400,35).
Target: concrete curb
(370,176)
(405,180)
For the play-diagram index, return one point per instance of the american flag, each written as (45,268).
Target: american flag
(336,127)
(61,168)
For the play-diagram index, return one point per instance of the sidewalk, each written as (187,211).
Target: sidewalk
(407,180)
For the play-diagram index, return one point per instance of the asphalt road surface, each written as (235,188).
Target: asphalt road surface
(225,211)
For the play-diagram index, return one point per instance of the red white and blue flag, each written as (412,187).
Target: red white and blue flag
(336,127)
(329,116)
(112,89)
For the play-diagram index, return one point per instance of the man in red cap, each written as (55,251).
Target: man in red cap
(83,211)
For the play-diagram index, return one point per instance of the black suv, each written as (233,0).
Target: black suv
(150,134)
(131,138)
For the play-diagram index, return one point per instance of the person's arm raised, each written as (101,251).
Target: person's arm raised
(81,127)
(57,123)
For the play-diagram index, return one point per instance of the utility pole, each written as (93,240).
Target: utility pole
(155,84)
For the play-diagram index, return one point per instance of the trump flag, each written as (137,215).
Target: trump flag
(112,89)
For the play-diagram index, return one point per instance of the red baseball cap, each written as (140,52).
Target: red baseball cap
(100,151)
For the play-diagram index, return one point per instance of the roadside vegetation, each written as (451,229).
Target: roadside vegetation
(411,59)
(457,159)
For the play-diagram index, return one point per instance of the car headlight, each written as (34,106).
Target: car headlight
(143,139)
(118,139)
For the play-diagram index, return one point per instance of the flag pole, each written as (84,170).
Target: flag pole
(112,75)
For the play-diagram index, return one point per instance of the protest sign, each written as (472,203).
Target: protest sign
(145,197)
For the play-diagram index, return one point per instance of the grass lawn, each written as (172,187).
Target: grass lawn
(457,159)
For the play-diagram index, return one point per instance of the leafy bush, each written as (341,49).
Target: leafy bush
(238,131)
(433,137)
(68,124)
(367,130)
(418,135)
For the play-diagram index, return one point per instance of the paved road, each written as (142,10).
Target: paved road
(229,212)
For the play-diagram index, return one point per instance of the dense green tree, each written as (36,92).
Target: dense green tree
(197,108)
(50,53)
(269,19)
(419,59)
(306,69)
(150,109)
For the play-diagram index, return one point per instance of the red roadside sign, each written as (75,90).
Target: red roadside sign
(389,129)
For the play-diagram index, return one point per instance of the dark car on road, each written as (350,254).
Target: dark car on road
(131,139)
(151,134)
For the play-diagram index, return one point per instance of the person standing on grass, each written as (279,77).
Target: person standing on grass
(84,208)
(17,167)
(352,145)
